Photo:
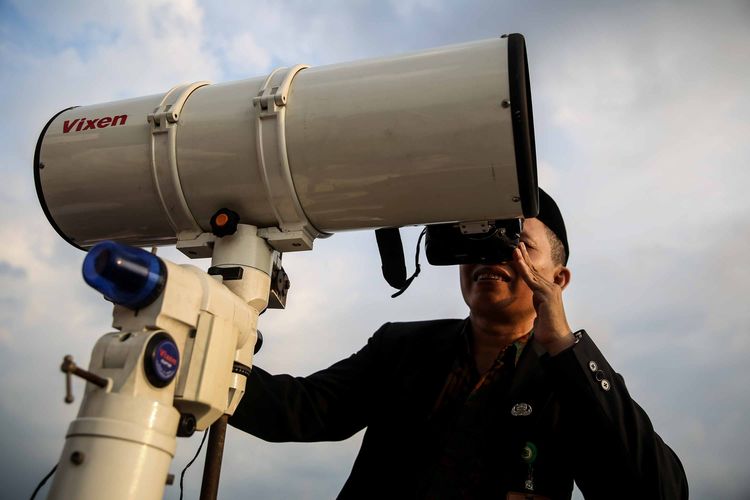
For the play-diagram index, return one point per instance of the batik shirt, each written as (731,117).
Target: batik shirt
(460,418)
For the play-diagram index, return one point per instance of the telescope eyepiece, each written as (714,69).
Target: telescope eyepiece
(125,275)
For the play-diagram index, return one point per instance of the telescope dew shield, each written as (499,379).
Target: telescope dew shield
(438,136)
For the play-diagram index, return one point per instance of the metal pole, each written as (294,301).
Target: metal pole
(214,452)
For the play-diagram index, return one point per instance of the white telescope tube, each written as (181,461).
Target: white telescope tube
(437,136)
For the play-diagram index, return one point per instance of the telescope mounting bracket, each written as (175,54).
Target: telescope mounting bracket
(294,232)
(163,121)
(474,227)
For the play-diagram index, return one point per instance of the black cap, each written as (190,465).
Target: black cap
(550,215)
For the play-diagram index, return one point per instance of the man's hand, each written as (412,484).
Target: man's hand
(551,327)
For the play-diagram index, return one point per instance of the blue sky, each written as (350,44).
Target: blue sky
(641,128)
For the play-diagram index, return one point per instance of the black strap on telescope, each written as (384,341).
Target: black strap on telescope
(392,258)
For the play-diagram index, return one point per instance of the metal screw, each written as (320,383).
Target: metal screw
(41,165)
(77,457)
(70,368)
(505,103)
(516,199)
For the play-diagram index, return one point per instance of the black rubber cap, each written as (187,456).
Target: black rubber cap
(224,222)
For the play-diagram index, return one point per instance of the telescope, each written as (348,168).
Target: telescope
(243,172)
(439,136)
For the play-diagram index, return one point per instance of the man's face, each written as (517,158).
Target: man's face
(497,289)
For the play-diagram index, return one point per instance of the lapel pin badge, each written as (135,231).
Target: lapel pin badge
(521,410)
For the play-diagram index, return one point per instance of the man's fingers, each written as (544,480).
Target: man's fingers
(535,280)
(526,258)
(526,261)
(526,272)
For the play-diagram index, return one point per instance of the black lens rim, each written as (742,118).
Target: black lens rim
(38,181)
(523,124)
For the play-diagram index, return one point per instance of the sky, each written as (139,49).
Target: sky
(640,111)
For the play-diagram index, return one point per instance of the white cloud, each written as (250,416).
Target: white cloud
(656,185)
(408,8)
(641,134)
(244,55)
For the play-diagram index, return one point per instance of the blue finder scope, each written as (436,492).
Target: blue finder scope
(127,276)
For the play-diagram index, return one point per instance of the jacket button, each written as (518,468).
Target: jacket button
(605,384)
(599,375)
(592,366)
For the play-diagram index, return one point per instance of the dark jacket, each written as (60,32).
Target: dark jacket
(583,422)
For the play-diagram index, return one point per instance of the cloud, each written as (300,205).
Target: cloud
(410,8)
(244,55)
(641,123)
(660,215)
(10,271)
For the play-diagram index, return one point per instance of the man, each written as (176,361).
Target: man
(509,403)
